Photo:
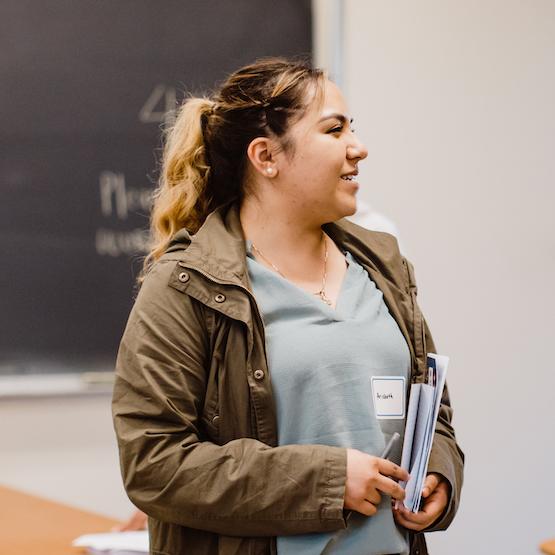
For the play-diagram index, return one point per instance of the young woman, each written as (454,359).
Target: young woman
(243,403)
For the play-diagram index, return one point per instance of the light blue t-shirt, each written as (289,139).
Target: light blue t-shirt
(321,361)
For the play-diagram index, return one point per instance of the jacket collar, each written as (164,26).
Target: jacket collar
(218,250)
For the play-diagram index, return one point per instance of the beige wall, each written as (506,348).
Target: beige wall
(456,102)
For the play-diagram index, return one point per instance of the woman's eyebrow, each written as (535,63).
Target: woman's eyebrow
(342,118)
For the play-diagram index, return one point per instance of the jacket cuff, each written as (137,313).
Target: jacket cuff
(442,463)
(334,488)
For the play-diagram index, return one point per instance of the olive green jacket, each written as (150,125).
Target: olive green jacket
(194,412)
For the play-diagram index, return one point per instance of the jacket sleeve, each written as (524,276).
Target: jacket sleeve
(446,457)
(171,471)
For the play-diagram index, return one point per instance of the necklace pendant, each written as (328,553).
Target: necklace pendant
(324,297)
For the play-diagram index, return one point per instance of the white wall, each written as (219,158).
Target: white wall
(63,448)
(456,102)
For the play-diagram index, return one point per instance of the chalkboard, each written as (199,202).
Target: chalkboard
(85,86)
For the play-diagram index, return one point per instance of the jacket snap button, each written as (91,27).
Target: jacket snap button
(183,277)
(219,298)
(258,374)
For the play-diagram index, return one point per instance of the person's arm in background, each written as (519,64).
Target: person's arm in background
(137,521)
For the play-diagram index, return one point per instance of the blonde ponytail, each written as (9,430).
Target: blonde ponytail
(181,198)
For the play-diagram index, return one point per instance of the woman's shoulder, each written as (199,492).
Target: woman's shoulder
(161,270)
(378,249)
(378,239)
(378,245)
(163,288)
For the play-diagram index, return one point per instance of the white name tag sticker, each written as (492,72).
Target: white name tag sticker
(388,394)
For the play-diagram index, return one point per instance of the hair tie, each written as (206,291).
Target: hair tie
(211,109)
(206,113)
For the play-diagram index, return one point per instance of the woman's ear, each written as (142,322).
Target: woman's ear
(261,158)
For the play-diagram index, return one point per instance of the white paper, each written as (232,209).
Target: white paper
(115,543)
(424,404)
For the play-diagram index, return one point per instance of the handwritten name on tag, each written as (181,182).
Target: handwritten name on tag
(388,395)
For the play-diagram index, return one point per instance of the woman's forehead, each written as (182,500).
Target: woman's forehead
(328,105)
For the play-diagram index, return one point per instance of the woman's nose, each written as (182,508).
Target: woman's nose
(357,149)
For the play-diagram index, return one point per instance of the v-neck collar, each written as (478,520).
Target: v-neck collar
(337,313)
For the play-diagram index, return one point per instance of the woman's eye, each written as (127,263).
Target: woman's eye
(340,128)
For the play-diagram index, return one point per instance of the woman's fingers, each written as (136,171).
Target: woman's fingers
(402,519)
(374,497)
(388,468)
(415,521)
(431,510)
(389,487)
(368,478)
(366,508)
(430,484)
(385,481)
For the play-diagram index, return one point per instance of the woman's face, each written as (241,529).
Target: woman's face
(325,149)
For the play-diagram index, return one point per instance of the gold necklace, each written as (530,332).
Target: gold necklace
(322,292)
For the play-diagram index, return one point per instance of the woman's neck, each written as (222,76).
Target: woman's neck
(293,245)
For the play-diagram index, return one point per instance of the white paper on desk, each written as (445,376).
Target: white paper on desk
(424,403)
(115,543)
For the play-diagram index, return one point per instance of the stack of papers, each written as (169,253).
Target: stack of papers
(424,403)
(115,543)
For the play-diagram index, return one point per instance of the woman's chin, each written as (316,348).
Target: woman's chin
(348,208)
(344,209)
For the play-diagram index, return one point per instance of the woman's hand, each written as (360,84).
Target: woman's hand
(367,476)
(435,494)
